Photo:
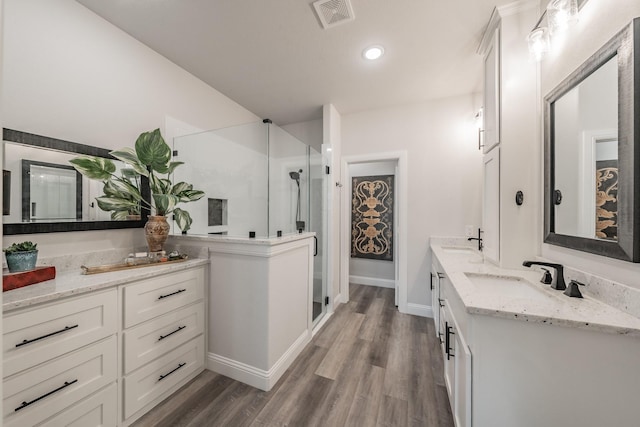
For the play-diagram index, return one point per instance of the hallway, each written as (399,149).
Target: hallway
(369,366)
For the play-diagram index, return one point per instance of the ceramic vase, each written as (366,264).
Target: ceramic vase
(156,231)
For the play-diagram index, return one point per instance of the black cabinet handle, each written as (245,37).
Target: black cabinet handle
(172,293)
(448,340)
(315,246)
(431,276)
(171,372)
(65,329)
(65,385)
(171,333)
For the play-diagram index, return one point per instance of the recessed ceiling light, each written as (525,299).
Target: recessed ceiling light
(373,52)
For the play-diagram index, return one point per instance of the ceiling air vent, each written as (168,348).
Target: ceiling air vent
(333,12)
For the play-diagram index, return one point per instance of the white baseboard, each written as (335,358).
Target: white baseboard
(372,281)
(321,323)
(419,310)
(255,377)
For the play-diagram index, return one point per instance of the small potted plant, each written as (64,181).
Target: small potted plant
(21,256)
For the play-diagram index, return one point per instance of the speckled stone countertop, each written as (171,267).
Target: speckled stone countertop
(71,281)
(548,306)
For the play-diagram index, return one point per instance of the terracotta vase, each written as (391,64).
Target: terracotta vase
(156,231)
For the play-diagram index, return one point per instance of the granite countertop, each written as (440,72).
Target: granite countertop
(73,282)
(537,303)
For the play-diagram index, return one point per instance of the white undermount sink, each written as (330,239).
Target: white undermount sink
(505,286)
(457,250)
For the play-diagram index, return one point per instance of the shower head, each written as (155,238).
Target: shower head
(295,175)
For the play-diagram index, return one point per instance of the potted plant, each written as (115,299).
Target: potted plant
(151,158)
(21,256)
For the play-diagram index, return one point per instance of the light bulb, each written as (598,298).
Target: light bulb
(373,52)
(561,14)
(538,41)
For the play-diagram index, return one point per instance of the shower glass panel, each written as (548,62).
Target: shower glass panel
(288,183)
(255,178)
(318,224)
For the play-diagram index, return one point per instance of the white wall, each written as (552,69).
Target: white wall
(308,132)
(71,75)
(598,21)
(371,268)
(444,171)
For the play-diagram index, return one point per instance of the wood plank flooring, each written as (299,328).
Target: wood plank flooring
(368,366)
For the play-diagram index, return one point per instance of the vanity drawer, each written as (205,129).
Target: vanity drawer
(162,375)
(152,339)
(36,394)
(153,297)
(99,409)
(33,336)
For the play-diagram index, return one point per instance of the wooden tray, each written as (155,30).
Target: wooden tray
(123,266)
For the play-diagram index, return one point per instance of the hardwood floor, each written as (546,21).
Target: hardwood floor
(368,366)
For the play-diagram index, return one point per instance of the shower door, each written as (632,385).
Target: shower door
(318,223)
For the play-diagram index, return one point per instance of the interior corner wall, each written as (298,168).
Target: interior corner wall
(362,268)
(597,22)
(69,74)
(444,171)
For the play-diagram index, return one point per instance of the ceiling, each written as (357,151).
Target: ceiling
(274,58)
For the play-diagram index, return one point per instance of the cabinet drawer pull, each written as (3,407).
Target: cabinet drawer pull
(172,293)
(431,285)
(171,333)
(65,329)
(171,372)
(447,344)
(65,385)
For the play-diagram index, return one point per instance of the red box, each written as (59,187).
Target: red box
(25,278)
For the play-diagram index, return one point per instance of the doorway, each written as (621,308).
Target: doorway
(397,274)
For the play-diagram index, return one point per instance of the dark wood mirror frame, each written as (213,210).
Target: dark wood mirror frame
(74,148)
(626,45)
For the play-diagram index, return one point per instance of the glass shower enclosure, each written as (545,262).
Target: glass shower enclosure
(260,182)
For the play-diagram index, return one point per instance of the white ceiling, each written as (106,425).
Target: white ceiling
(274,58)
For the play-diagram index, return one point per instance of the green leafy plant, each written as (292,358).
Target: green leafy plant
(21,247)
(151,158)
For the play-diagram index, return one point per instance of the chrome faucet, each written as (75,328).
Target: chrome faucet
(558,279)
(479,239)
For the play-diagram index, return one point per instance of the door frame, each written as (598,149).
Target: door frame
(400,222)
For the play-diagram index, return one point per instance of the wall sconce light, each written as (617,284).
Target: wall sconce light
(560,15)
(538,41)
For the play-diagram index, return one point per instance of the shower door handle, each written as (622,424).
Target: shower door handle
(315,246)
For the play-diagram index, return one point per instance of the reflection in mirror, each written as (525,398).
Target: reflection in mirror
(592,143)
(49,194)
(586,153)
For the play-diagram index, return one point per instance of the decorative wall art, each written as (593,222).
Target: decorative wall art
(607,199)
(372,217)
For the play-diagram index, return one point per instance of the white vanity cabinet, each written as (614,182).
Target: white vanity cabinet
(436,301)
(456,355)
(107,356)
(59,356)
(163,342)
(504,359)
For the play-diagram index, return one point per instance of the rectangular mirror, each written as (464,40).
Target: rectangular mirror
(47,194)
(592,145)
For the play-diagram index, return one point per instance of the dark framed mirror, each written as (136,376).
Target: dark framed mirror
(592,153)
(80,212)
